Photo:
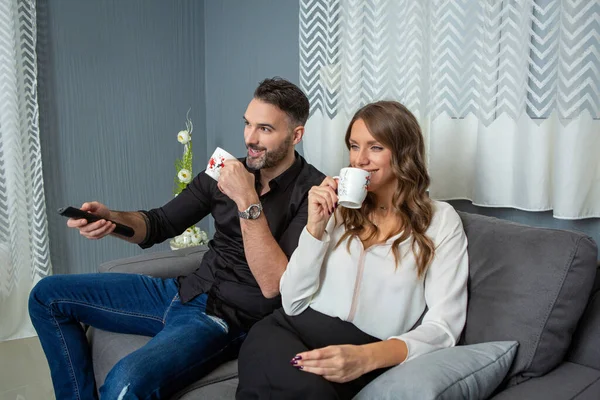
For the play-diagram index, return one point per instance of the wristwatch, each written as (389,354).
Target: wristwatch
(252,212)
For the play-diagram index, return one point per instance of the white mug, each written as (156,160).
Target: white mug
(216,163)
(352,187)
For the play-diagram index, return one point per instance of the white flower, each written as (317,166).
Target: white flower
(196,239)
(183,137)
(185,175)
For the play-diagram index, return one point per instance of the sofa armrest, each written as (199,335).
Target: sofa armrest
(567,381)
(164,264)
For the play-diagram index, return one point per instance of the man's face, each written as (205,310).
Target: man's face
(268,135)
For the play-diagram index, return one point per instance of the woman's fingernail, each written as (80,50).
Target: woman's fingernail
(294,362)
(297,358)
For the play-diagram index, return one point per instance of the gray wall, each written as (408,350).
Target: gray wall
(116,78)
(246,41)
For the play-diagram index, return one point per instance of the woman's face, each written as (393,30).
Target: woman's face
(368,154)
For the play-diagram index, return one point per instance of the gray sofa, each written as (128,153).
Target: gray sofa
(539,287)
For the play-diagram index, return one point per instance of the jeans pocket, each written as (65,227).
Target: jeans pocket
(173,301)
(219,321)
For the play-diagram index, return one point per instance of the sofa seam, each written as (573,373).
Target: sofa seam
(568,266)
(163,257)
(585,388)
(515,344)
(595,295)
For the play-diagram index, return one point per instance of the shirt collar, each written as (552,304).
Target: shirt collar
(283,180)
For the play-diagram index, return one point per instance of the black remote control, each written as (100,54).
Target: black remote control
(72,212)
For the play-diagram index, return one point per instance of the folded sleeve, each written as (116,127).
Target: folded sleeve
(445,291)
(301,279)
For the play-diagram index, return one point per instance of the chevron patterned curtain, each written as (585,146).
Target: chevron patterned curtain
(507,92)
(24,254)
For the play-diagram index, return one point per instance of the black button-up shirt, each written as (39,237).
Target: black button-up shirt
(224,274)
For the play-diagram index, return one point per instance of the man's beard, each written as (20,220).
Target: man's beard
(269,159)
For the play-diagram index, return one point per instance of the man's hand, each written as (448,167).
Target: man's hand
(237,184)
(335,363)
(95,230)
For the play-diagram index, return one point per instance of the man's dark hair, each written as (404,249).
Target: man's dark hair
(286,96)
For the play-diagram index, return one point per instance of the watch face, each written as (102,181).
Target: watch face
(254,211)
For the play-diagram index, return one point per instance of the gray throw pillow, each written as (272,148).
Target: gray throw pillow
(461,372)
(526,284)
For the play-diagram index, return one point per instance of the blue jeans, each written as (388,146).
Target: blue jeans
(186,343)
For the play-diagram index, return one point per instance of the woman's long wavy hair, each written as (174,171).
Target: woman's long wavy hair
(397,129)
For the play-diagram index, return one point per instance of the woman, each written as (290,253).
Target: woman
(359,282)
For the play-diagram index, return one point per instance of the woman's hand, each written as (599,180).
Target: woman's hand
(322,202)
(340,364)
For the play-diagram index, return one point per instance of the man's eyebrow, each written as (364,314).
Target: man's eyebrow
(266,125)
(260,124)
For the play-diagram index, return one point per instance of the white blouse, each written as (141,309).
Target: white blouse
(366,287)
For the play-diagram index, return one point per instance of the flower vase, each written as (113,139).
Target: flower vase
(193,236)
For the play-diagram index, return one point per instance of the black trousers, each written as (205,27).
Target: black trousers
(264,365)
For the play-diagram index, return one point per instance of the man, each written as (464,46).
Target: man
(200,320)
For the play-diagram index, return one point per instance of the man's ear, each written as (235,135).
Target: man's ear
(298,133)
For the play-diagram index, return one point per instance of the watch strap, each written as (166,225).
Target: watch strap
(252,212)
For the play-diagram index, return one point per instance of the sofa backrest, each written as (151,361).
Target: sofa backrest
(526,284)
(585,347)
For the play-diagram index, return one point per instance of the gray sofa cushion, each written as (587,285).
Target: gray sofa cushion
(163,264)
(568,381)
(223,390)
(526,284)
(461,372)
(108,348)
(585,349)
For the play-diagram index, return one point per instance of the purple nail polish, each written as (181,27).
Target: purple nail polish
(294,362)
(297,358)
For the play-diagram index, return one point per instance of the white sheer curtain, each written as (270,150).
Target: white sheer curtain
(507,92)
(24,254)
